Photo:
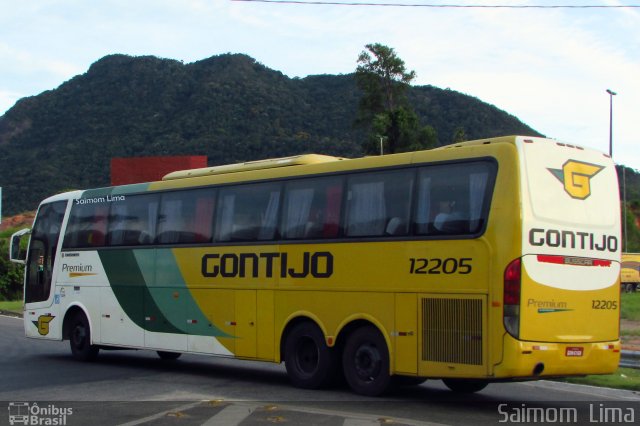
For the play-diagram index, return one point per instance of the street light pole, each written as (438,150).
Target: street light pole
(611,95)
(624,174)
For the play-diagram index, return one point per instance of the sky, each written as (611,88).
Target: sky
(550,67)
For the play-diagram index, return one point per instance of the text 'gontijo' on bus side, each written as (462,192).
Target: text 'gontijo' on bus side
(485,261)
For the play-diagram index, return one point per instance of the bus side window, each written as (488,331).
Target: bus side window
(186,217)
(132,221)
(378,204)
(248,212)
(453,199)
(312,208)
(87,226)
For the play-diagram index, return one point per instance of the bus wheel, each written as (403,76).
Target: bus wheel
(168,356)
(465,385)
(80,339)
(309,361)
(366,362)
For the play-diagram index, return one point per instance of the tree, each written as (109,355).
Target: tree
(383,79)
(460,135)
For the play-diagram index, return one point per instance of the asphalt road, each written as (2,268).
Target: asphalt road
(41,380)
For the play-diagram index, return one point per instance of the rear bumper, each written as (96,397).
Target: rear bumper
(541,359)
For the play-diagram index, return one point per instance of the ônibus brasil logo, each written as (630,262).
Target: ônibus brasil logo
(576,177)
(26,413)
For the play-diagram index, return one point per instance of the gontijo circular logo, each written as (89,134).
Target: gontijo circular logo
(576,177)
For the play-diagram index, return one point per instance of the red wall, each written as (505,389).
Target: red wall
(147,169)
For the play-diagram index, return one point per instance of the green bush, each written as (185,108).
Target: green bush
(11,275)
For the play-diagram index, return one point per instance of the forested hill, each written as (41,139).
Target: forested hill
(229,108)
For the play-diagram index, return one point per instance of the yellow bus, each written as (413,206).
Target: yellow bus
(484,261)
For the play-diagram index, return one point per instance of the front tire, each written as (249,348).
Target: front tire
(465,385)
(366,362)
(80,339)
(309,361)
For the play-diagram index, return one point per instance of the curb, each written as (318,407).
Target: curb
(600,391)
(11,314)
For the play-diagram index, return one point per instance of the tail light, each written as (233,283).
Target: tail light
(511,297)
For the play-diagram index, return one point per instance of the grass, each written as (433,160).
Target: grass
(623,378)
(11,306)
(634,332)
(630,306)
(8,232)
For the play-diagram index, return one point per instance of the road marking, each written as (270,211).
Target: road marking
(359,419)
(237,412)
(231,415)
(161,414)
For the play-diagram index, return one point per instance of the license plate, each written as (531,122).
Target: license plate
(574,351)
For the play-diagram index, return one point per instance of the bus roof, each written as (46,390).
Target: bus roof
(304,159)
(270,163)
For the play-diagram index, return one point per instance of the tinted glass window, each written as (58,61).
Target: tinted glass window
(248,212)
(87,225)
(453,199)
(378,204)
(186,217)
(132,221)
(312,208)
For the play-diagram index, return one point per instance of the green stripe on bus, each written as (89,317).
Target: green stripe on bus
(130,288)
(174,298)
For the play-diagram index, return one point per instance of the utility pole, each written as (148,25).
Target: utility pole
(382,139)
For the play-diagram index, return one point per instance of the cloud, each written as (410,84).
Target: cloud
(548,67)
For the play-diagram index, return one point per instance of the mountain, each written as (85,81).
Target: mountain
(228,107)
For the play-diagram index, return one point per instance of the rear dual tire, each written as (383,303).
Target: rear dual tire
(310,363)
(365,362)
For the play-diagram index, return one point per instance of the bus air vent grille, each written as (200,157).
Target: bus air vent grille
(452,330)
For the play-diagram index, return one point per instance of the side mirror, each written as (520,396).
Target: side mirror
(16,253)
